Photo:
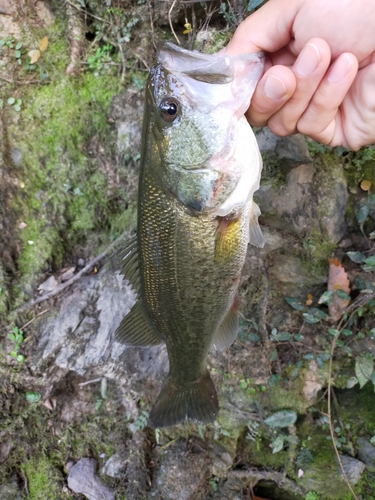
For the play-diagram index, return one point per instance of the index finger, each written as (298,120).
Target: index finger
(270,28)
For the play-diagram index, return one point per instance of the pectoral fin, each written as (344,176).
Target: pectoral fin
(227,332)
(256,236)
(136,330)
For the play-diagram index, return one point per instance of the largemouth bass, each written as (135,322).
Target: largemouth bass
(200,165)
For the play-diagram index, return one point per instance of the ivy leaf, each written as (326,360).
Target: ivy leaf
(310,318)
(282,336)
(342,295)
(363,214)
(282,418)
(277,444)
(295,303)
(357,257)
(325,298)
(351,382)
(364,366)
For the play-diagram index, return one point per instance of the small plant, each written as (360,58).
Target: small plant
(312,495)
(140,423)
(101,60)
(16,336)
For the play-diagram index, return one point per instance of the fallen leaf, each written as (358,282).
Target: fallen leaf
(365,185)
(337,280)
(48,404)
(34,56)
(43,44)
(22,225)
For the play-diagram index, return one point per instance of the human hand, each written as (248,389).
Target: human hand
(320,69)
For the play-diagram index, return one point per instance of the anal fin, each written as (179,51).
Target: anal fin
(136,330)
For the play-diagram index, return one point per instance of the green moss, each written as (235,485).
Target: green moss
(44,480)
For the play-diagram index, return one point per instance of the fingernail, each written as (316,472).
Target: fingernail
(307,61)
(274,87)
(340,69)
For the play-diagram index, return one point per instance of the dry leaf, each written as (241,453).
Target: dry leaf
(337,280)
(43,44)
(48,403)
(309,299)
(365,185)
(34,56)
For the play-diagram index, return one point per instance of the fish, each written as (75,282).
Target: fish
(200,166)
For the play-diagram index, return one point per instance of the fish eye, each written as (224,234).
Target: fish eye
(168,109)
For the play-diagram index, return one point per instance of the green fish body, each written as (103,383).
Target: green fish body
(200,166)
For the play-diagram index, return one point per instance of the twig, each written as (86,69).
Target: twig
(37,316)
(87,13)
(72,280)
(331,430)
(94,381)
(170,21)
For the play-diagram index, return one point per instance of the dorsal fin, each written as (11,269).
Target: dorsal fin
(136,330)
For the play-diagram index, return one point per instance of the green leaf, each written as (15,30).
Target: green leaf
(318,313)
(20,358)
(359,282)
(346,332)
(253,337)
(19,46)
(253,4)
(282,336)
(370,261)
(33,397)
(243,384)
(277,444)
(273,355)
(325,298)
(11,101)
(363,213)
(298,337)
(310,318)
(282,418)
(17,108)
(17,54)
(364,366)
(333,331)
(357,257)
(342,295)
(295,303)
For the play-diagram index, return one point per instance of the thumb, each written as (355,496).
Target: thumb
(268,29)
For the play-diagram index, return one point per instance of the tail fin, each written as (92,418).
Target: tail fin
(195,401)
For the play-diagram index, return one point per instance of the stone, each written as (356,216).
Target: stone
(313,382)
(181,474)
(115,466)
(291,150)
(353,468)
(48,285)
(366,453)
(82,479)
(10,491)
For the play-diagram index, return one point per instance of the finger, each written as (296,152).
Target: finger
(309,69)
(272,92)
(268,29)
(355,123)
(318,120)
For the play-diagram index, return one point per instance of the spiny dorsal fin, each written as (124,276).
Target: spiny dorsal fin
(136,330)
(227,332)
(256,235)
(127,261)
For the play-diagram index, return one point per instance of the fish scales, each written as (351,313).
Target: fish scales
(191,237)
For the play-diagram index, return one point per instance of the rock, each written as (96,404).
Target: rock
(10,491)
(67,274)
(293,150)
(137,474)
(82,479)
(313,382)
(366,453)
(353,468)
(181,474)
(5,448)
(115,465)
(48,285)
